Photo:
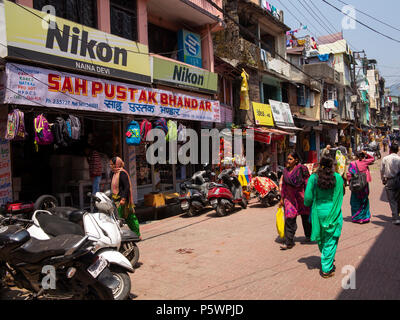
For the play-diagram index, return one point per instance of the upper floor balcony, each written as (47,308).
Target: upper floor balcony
(322,71)
(194,13)
(248,53)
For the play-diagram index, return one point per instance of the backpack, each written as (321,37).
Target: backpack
(161,124)
(172,134)
(15,126)
(60,133)
(43,134)
(182,133)
(145,127)
(358,180)
(132,135)
(74,127)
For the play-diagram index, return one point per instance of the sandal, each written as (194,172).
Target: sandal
(287,247)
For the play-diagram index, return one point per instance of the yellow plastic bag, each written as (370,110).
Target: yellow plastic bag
(280,222)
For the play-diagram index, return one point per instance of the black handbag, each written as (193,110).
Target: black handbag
(358,180)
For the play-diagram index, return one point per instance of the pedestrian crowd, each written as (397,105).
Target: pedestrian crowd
(317,196)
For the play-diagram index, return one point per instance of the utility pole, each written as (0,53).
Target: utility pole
(357,56)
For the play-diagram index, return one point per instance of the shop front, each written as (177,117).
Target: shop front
(271,144)
(104,109)
(105,89)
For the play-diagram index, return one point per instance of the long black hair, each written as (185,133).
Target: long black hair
(295,156)
(326,174)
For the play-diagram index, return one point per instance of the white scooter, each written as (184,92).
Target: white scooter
(103,229)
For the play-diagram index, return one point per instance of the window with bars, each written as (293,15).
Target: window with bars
(163,41)
(301,96)
(123,17)
(80,11)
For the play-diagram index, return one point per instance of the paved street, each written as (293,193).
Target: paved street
(238,257)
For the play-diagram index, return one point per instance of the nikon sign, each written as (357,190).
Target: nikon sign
(173,73)
(55,41)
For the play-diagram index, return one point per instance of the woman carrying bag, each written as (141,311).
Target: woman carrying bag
(293,183)
(324,192)
(359,201)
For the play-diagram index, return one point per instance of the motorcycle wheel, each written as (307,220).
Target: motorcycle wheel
(265,202)
(45,202)
(221,211)
(124,288)
(131,251)
(243,203)
(192,211)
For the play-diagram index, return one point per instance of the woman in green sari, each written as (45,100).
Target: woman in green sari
(324,193)
(122,194)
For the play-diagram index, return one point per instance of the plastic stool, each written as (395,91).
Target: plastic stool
(63,196)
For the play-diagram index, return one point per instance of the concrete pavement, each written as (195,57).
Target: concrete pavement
(238,257)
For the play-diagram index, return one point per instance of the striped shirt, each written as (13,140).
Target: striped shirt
(95,164)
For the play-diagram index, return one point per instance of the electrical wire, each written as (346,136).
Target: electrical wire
(259,40)
(334,40)
(363,24)
(368,15)
(136,52)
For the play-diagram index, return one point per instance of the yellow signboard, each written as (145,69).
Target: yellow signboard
(40,37)
(263,114)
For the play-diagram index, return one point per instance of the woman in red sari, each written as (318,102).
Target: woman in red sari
(293,184)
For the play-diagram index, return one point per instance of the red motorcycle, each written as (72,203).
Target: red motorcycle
(225,195)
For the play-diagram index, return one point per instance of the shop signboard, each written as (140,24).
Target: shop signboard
(51,88)
(5,162)
(282,114)
(51,40)
(262,137)
(171,72)
(263,114)
(189,45)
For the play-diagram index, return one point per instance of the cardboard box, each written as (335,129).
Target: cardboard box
(154,200)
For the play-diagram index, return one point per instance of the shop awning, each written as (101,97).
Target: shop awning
(266,135)
(329,122)
(304,120)
(290,128)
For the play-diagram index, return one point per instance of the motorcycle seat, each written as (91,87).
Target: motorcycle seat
(34,250)
(62,212)
(194,186)
(55,226)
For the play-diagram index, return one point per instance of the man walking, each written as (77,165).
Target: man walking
(390,167)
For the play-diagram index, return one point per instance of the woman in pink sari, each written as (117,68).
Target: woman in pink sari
(294,181)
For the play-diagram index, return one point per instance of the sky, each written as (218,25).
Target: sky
(321,18)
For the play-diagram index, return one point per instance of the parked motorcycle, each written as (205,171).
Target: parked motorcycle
(194,192)
(25,209)
(103,204)
(224,195)
(266,185)
(373,150)
(75,272)
(102,228)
